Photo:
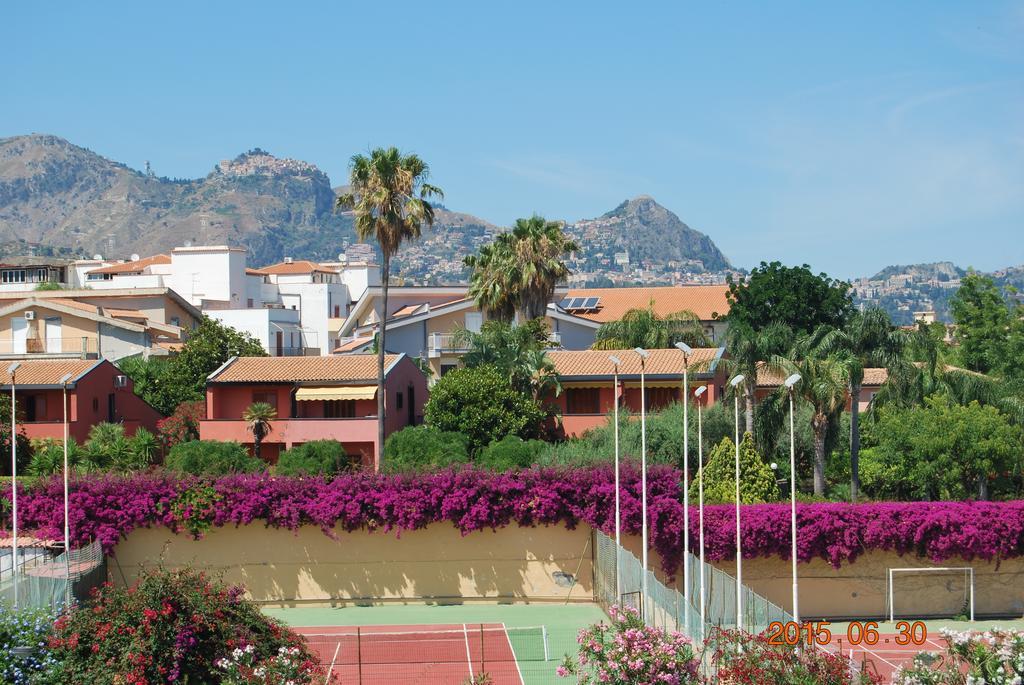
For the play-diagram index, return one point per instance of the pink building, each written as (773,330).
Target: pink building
(587,378)
(874,378)
(317,398)
(97,392)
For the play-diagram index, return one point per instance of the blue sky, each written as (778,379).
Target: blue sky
(848,137)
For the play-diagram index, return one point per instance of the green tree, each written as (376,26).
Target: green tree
(509,453)
(518,352)
(521,268)
(644,328)
(748,349)
(212,458)
(793,296)
(481,404)
(424,448)
(258,417)
(313,458)
(757,480)
(870,340)
(989,329)
(941,451)
(390,197)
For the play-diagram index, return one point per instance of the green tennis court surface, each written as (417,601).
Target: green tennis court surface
(539,635)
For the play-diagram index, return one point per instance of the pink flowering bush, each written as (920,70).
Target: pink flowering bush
(108,507)
(627,651)
(994,657)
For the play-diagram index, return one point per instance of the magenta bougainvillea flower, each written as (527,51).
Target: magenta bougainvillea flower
(107,508)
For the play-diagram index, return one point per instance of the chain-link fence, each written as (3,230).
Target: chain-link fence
(45,579)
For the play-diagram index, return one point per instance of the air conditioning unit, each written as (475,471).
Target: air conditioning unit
(30,315)
(120,381)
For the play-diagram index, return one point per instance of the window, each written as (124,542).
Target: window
(398,403)
(95,404)
(583,400)
(337,311)
(12,276)
(248,303)
(265,397)
(339,409)
(445,368)
(175,321)
(659,398)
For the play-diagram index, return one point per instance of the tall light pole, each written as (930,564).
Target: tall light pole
(67,525)
(700,504)
(739,541)
(643,478)
(12,369)
(687,351)
(790,382)
(616,363)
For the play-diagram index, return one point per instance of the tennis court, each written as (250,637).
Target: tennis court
(518,644)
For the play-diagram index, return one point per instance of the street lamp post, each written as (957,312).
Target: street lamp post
(790,382)
(12,370)
(67,525)
(616,363)
(739,541)
(687,351)
(643,479)
(700,504)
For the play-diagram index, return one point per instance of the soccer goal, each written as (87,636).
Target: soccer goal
(968,572)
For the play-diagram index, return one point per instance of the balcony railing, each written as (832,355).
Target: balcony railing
(448,343)
(75,346)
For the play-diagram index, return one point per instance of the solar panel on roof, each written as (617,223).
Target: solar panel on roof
(564,304)
(591,303)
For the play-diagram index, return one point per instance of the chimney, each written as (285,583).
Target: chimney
(288,260)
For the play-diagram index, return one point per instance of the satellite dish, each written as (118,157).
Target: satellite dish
(134,257)
(98,257)
(341,256)
(188,243)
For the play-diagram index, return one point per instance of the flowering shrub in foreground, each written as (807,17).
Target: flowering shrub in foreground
(627,651)
(26,628)
(995,657)
(169,627)
(108,507)
(244,667)
(745,659)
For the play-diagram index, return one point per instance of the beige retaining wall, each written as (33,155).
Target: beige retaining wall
(434,564)
(530,564)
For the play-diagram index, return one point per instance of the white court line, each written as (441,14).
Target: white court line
(334,659)
(515,659)
(469,656)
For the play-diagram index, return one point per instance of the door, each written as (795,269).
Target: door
(111,408)
(412,406)
(19,335)
(474,320)
(52,334)
(279,343)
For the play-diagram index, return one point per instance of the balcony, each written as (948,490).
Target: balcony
(448,344)
(77,347)
(292,430)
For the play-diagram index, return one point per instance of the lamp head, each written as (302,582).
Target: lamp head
(13,367)
(67,377)
(684,348)
(700,391)
(737,380)
(615,360)
(792,380)
(642,352)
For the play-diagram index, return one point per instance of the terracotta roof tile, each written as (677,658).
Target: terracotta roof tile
(767,378)
(345,368)
(576,363)
(703,300)
(354,344)
(133,267)
(125,313)
(45,371)
(301,266)
(84,306)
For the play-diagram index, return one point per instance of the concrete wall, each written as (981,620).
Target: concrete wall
(117,343)
(437,563)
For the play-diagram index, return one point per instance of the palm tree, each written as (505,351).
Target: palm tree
(520,269)
(747,349)
(824,385)
(870,339)
(644,328)
(258,417)
(389,194)
(518,352)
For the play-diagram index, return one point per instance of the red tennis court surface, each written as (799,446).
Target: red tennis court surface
(447,654)
(885,657)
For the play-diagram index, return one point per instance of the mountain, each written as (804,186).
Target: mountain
(60,199)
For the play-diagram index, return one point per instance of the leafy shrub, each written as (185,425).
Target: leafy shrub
(511,452)
(244,667)
(995,656)
(746,659)
(171,626)
(627,651)
(48,457)
(24,628)
(481,404)
(315,458)
(424,447)
(183,424)
(212,458)
(757,480)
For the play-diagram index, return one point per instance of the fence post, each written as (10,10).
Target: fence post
(359,654)
(483,666)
